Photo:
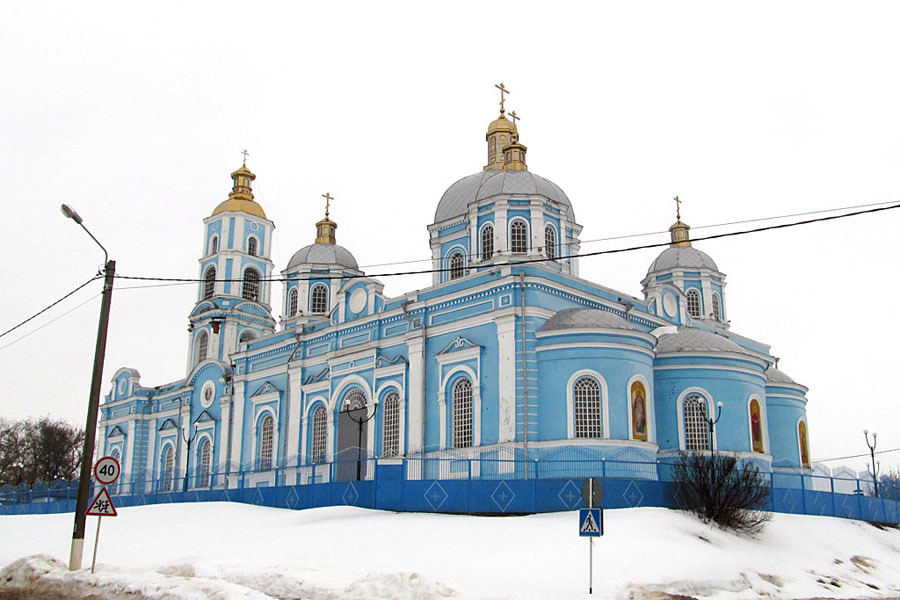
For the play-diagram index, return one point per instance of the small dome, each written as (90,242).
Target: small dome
(682,257)
(690,339)
(323,254)
(495,182)
(581,318)
(501,124)
(773,375)
(240,205)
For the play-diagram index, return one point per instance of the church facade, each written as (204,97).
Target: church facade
(508,354)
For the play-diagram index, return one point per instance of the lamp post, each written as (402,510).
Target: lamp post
(349,410)
(187,463)
(871,446)
(712,424)
(90,428)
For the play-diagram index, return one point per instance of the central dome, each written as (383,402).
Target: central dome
(323,254)
(496,182)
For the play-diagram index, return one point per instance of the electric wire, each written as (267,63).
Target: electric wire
(42,311)
(53,320)
(324,276)
(822,460)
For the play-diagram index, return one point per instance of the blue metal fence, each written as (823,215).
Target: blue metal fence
(456,485)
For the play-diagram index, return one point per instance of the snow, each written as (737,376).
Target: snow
(230,550)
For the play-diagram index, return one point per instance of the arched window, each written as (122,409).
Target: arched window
(518,237)
(638,411)
(588,408)
(457,266)
(550,242)
(318,302)
(462,413)
(202,346)
(266,434)
(716,312)
(319,435)
(292,304)
(693,302)
(214,245)
(114,486)
(209,283)
(251,246)
(168,478)
(803,440)
(487,242)
(205,461)
(355,399)
(756,437)
(251,285)
(695,424)
(390,435)
(247,336)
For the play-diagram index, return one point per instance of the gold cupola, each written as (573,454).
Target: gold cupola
(679,231)
(326,227)
(501,133)
(241,197)
(514,153)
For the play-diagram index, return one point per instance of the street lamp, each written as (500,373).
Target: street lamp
(871,446)
(188,439)
(90,428)
(712,424)
(348,410)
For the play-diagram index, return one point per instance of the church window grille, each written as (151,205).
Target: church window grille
(550,242)
(251,285)
(202,346)
(251,246)
(696,437)
(205,460)
(518,239)
(693,303)
(214,245)
(391,427)
(588,408)
(457,265)
(168,478)
(462,414)
(293,303)
(209,283)
(267,433)
(319,435)
(355,399)
(487,242)
(716,312)
(319,301)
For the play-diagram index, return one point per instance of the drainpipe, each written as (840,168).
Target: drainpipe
(524,371)
(420,324)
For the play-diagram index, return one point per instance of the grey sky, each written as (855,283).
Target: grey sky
(136,117)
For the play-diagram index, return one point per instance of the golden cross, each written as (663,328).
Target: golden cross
(503,91)
(246,154)
(677,207)
(514,117)
(328,200)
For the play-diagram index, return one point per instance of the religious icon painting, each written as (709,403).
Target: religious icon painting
(638,411)
(755,426)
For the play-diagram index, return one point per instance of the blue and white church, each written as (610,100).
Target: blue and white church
(509,354)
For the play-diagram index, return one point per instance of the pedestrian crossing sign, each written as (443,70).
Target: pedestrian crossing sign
(590,522)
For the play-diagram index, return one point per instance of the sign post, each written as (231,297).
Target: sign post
(590,521)
(106,471)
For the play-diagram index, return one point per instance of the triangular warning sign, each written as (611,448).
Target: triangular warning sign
(590,524)
(102,506)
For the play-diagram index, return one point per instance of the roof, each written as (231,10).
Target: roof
(684,257)
(690,339)
(240,205)
(773,375)
(496,182)
(583,318)
(323,254)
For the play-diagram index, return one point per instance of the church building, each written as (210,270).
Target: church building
(509,354)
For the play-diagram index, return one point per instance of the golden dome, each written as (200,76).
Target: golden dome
(241,205)
(501,124)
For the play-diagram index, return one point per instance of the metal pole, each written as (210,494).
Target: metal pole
(96,541)
(90,428)
(872,453)
(591,570)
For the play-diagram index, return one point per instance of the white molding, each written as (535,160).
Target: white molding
(606,345)
(708,367)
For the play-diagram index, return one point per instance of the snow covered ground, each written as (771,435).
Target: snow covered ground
(228,550)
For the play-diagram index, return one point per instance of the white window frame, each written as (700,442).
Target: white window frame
(315,409)
(198,461)
(550,248)
(391,397)
(484,254)
(252,240)
(168,481)
(450,375)
(705,395)
(245,284)
(462,425)
(695,294)
(456,271)
(202,343)
(312,298)
(513,222)
(716,307)
(293,302)
(255,442)
(209,283)
(570,402)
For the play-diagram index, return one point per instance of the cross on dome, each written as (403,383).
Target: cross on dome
(328,198)
(503,91)
(246,154)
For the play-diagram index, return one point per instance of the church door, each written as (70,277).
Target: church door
(352,438)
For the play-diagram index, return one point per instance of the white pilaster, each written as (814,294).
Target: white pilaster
(416,407)
(506,349)
(238,427)
(294,404)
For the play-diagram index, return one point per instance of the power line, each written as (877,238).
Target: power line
(71,310)
(531,260)
(40,312)
(856,455)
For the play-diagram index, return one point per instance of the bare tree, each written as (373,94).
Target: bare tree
(43,450)
(717,488)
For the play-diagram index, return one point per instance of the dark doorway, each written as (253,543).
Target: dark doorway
(352,441)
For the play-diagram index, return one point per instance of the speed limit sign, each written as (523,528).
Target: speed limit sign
(107,470)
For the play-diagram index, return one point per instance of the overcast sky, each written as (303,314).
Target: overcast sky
(137,116)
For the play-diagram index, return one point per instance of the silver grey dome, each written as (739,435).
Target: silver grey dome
(323,254)
(682,257)
(495,182)
(690,339)
(581,318)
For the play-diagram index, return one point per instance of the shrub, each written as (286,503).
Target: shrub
(718,488)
